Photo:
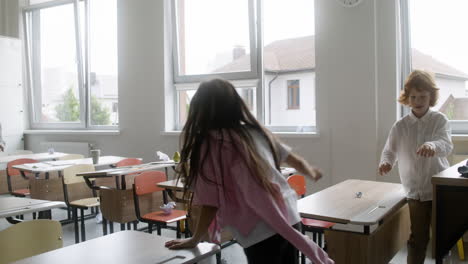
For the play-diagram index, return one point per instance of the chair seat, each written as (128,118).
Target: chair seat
(86,203)
(313,223)
(160,216)
(20,192)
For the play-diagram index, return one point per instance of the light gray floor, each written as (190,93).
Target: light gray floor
(232,254)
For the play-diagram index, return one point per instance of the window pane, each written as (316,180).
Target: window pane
(212,34)
(439,45)
(289,54)
(54,65)
(103,62)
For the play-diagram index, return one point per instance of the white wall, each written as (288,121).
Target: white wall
(281,115)
(356,84)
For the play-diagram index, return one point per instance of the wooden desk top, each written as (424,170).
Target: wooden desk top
(59,165)
(12,206)
(36,156)
(340,204)
(450,176)
(122,248)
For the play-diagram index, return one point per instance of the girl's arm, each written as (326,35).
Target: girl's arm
(206,216)
(303,167)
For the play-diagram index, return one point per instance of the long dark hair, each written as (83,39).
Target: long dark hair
(217,108)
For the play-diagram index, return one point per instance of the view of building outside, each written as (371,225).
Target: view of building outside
(207,48)
(438,34)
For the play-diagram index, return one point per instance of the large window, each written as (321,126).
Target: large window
(72,63)
(258,46)
(438,44)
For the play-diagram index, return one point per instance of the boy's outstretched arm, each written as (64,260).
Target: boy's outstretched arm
(302,166)
(206,216)
(441,144)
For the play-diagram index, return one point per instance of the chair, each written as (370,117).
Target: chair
(72,157)
(117,206)
(316,227)
(29,238)
(20,152)
(14,178)
(78,195)
(128,162)
(145,193)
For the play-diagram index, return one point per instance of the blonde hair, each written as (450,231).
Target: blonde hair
(421,81)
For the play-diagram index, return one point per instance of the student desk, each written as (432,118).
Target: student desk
(380,215)
(59,165)
(173,186)
(122,248)
(123,171)
(449,214)
(37,156)
(12,206)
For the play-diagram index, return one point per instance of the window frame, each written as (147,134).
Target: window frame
(458,127)
(239,79)
(32,21)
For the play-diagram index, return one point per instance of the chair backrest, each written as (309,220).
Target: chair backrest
(146,182)
(29,238)
(72,157)
(128,162)
(14,172)
(117,205)
(20,152)
(69,174)
(298,183)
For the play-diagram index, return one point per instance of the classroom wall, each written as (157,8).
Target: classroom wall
(356,83)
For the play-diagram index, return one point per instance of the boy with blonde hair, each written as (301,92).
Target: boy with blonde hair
(420,142)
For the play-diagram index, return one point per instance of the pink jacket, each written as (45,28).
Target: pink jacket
(242,202)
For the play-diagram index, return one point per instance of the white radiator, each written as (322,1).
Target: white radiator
(67,147)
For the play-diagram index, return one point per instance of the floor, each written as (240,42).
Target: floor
(231,254)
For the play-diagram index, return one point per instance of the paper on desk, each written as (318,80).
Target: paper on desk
(162,156)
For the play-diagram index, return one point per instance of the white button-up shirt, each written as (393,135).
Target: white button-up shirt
(405,137)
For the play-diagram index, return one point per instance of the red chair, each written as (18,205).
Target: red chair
(145,192)
(12,172)
(128,162)
(316,227)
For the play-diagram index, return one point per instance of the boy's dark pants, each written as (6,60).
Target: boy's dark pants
(420,216)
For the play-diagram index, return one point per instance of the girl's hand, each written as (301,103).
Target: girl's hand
(384,168)
(426,150)
(316,174)
(182,243)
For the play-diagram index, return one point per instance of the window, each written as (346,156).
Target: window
(72,63)
(438,46)
(252,48)
(293,94)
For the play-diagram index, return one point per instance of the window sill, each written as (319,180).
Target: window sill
(279,134)
(459,137)
(73,132)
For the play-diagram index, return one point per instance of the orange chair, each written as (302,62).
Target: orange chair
(144,189)
(316,227)
(128,162)
(12,172)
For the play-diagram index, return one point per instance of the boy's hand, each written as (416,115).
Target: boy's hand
(384,168)
(426,150)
